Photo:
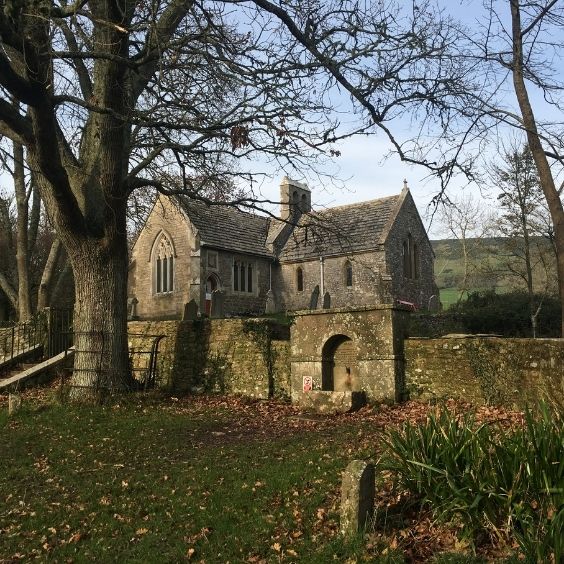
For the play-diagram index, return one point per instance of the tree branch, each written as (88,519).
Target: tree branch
(13,125)
(156,41)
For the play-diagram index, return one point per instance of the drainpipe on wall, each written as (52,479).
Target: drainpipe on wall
(322,276)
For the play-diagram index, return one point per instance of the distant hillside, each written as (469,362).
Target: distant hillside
(491,266)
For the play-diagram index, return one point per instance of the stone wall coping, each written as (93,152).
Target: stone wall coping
(375,307)
(302,358)
(461,337)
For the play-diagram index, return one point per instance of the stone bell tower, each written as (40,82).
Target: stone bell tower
(295,199)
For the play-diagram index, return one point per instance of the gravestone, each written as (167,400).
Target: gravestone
(14,403)
(270,302)
(314,298)
(132,309)
(217,301)
(326,300)
(357,496)
(190,311)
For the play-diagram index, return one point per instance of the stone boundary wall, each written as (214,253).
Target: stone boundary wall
(238,356)
(511,372)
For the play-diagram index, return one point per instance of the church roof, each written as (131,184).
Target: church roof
(341,230)
(226,227)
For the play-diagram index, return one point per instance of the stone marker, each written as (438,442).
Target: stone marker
(270,302)
(326,300)
(14,403)
(217,299)
(357,496)
(132,308)
(314,298)
(190,311)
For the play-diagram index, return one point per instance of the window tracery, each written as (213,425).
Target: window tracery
(164,266)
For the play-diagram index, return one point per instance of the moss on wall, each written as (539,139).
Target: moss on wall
(511,372)
(218,355)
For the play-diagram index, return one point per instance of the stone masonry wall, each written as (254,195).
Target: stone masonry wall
(366,289)
(422,290)
(238,303)
(238,356)
(511,372)
(164,217)
(376,335)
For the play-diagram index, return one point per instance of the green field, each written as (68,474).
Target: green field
(488,267)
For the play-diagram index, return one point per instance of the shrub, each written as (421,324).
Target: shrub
(508,314)
(486,480)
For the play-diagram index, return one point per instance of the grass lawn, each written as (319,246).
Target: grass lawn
(156,479)
(449,296)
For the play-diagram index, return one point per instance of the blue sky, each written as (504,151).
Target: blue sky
(367,170)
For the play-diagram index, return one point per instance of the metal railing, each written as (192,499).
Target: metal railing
(143,355)
(93,370)
(51,332)
(23,339)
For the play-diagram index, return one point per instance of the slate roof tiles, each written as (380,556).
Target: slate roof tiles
(225,227)
(339,230)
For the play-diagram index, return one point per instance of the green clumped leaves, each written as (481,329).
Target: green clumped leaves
(485,480)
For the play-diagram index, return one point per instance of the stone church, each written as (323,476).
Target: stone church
(232,263)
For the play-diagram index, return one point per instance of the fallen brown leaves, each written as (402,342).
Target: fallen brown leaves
(241,420)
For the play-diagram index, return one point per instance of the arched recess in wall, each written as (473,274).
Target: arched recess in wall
(339,364)
(163,259)
(299,279)
(213,283)
(348,274)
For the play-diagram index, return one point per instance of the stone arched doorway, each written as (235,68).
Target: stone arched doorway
(339,369)
(212,284)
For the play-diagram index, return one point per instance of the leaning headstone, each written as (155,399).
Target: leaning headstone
(326,300)
(270,302)
(132,308)
(14,403)
(190,311)
(357,496)
(218,298)
(314,298)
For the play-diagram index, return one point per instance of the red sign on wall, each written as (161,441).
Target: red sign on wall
(308,383)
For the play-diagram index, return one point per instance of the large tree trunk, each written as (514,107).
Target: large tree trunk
(100,321)
(533,138)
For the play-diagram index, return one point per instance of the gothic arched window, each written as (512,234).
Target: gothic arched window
(163,268)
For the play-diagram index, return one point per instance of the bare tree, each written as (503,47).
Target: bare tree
(515,53)
(468,223)
(113,91)
(24,232)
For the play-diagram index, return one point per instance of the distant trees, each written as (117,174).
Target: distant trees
(527,244)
